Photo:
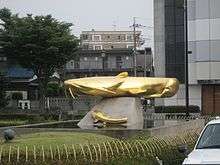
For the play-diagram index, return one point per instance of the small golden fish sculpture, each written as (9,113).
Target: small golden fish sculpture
(99,116)
(122,85)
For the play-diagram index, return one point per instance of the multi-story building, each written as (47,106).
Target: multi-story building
(98,40)
(108,53)
(204,48)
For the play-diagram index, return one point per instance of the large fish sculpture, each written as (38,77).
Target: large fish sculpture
(123,85)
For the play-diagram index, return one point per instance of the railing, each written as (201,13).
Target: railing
(100,70)
(177,116)
(151,150)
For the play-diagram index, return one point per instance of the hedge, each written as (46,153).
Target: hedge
(17,96)
(177,109)
(27,118)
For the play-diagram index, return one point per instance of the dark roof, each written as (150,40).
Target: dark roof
(112,31)
(17,72)
(110,51)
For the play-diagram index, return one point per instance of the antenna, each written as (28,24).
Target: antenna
(114,25)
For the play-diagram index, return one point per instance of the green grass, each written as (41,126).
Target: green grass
(5,123)
(53,139)
(89,148)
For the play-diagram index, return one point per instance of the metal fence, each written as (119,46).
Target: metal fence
(74,106)
(152,149)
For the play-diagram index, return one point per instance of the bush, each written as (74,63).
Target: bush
(177,109)
(54,90)
(17,116)
(22,118)
(7,123)
(17,96)
(3,98)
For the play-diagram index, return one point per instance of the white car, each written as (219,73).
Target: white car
(207,148)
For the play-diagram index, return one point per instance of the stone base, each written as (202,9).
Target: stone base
(117,107)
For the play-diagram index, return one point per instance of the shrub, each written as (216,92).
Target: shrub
(3,98)
(22,119)
(177,109)
(54,90)
(6,123)
(17,96)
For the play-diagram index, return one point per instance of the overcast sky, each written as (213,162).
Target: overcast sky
(90,14)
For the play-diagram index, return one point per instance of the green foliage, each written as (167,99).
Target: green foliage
(177,109)
(40,43)
(17,96)
(53,139)
(54,90)
(3,98)
(24,118)
(6,123)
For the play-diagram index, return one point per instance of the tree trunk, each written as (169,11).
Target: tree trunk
(41,97)
(42,91)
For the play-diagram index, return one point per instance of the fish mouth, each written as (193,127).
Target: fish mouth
(69,88)
(172,88)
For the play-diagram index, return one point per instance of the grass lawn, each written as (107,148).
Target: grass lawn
(73,148)
(6,123)
(55,139)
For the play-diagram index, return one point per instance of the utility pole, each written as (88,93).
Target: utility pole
(186,59)
(135,47)
(135,44)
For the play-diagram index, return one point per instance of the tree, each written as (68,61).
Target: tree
(17,96)
(54,90)
(3,98)
(40,43)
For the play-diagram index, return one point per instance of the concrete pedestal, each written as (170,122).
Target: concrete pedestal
(117,107)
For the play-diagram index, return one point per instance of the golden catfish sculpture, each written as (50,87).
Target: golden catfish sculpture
(123,85)
(99,116)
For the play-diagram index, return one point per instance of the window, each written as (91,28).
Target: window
(179,16)
(170,16)
(127,58)
(130,46)
(170,34)
(118,62)
(72,63)
(108,37)
(179,33)
(97,47)
(3,58)
(96,58)
(85,59)
(119,37)
(129,37)
(96,37)
(85,36)
(112,46)
(169,2)
(174,39)
(85,46)
(76,64)
(210,138)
